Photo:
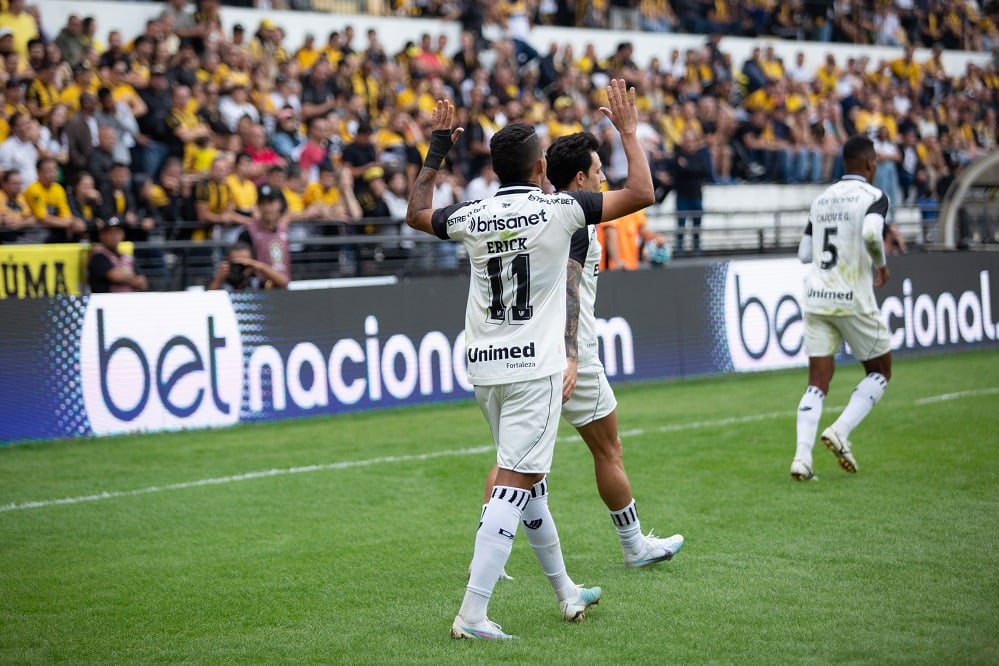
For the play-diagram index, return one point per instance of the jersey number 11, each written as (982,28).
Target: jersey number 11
(520,273)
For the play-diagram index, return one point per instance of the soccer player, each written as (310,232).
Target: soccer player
(844,238)
(517,243)
(589,402)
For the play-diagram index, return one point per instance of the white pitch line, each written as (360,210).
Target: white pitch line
(694,425)
(955,396)
(111,494)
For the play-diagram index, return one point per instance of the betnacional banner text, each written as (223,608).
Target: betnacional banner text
(77,366)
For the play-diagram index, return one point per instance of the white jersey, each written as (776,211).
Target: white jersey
(518,245)
(585,249)
(839,282)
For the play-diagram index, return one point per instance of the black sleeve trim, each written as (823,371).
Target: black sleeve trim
(579,246)
(880,207)
(442,215)
(592,204)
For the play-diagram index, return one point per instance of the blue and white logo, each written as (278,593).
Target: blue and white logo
(160,362)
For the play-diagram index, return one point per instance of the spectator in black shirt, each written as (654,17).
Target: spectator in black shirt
(689,170)
(318,90)
(360,155)
(102,158)
(85,202)
(108,270)
(118,200)
(154,133)
(171,196)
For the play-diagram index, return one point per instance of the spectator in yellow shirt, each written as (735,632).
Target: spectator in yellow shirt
(242,186)
(565,120)
(48,203)
(122,90)
(21,24)
(83,82)
(42,94)
(334,194)
(828,74)
(307,55)
(907,69)
(17,222)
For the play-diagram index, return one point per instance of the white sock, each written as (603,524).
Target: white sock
(629,529)
(539,526)
(862,401)
(493,543)
(809,413)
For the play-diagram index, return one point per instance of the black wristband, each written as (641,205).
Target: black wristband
(440,144)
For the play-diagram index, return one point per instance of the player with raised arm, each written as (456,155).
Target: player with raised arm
(844,239)
(517,243)
(589,401)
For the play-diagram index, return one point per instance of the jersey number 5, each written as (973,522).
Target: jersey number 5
(830,247)
(520,273)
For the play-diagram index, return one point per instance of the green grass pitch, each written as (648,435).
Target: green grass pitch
(346,540)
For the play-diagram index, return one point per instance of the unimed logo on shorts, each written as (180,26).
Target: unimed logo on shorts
(764,321)
(160,361)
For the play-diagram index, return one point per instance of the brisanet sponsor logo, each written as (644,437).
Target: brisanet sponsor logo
(764,320)
(160,361)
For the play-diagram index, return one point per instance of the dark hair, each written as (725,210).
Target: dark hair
(240,245)
(858,147)
(77,177)
(172,160)
(514,150)
(569,155)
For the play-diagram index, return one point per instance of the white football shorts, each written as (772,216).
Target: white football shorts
(592,399)
(523,418)
(866,334)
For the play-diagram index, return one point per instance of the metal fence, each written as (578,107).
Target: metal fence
(386,247)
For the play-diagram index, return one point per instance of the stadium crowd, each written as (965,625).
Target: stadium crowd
(173,130)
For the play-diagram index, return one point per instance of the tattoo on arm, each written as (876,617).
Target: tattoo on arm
(422,196)
(575,274)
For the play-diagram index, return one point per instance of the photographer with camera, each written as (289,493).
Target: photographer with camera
(239,271)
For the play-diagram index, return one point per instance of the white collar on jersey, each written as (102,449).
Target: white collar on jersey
(516,188)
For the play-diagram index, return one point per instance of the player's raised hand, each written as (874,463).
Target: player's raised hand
(621,108)
(442,137)
(442,118)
